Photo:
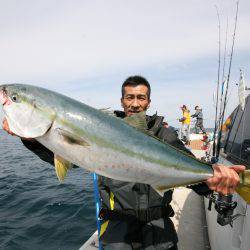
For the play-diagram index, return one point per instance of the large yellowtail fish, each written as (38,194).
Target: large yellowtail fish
(81,135)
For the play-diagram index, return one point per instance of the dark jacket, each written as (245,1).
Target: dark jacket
(198,114)
(135,205)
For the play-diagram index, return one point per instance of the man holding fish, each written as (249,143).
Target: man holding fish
(135,215)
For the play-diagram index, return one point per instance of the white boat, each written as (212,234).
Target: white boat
(236,150)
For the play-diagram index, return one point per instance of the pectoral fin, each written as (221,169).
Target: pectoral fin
(72,138)
(62,166)
(244,187)
(137,120)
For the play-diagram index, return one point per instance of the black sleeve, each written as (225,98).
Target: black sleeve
(37,148)
(42,152)
(170,136)
(195,114)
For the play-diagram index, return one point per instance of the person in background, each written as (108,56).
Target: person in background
(205,140)
(165,124)
(185,125)
(173,129)
(206,146)
(199,120)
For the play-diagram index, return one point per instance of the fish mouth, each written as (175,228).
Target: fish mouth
(3,96)
(4,99)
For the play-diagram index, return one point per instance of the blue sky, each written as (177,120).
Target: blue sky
(86,49)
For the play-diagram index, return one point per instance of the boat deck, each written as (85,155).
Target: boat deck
(189,221)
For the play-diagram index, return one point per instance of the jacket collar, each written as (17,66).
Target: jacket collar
(153,121)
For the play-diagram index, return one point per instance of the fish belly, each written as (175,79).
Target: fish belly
(117,165)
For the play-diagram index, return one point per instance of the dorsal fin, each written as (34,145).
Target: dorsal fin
(107,111)
(137,120)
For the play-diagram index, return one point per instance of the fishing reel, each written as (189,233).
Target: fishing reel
(225,206)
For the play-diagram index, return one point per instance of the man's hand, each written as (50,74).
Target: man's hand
(6,127)
(225,179)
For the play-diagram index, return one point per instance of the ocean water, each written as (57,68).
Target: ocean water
(36,211)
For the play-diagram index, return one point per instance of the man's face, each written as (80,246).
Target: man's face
(135,99)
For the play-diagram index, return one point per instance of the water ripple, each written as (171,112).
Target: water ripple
(36,211)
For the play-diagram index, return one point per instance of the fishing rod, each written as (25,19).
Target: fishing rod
(218,120)
(218,81)
(228,78)
(223,77)
(225,51)
(224,204)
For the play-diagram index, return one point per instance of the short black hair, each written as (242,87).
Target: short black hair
(135,81)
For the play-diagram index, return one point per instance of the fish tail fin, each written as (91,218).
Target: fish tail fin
(244,187)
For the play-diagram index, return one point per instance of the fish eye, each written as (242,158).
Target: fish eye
(14,97)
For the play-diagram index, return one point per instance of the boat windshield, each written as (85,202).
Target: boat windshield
(236,130)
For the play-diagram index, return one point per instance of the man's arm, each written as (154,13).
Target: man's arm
(182,119)
(195,114)
(37,148)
